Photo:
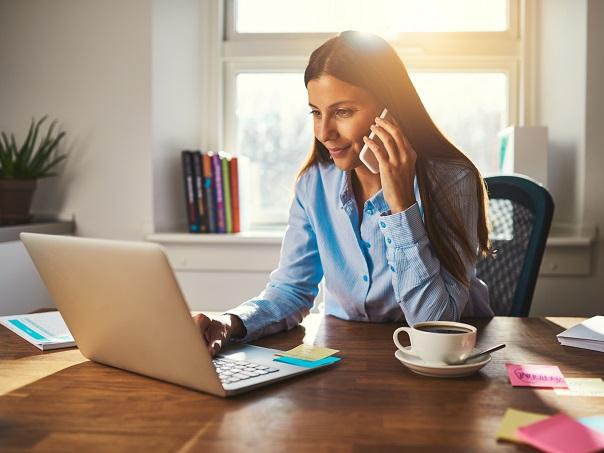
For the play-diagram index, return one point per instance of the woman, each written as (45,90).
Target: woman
(400,245)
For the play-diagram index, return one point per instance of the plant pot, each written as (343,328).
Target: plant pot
(15,200)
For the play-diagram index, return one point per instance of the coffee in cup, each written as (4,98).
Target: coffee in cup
(438,342)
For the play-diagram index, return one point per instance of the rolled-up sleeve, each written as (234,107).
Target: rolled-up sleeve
(294,285)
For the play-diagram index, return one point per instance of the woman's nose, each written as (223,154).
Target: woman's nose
(326,130)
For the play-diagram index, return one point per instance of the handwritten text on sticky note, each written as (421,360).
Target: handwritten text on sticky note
(548,376)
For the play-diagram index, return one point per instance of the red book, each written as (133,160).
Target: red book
(235,194)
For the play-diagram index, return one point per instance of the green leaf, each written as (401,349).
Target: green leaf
(44,171)
(44,154)
(26,143)
(31,160)
(27,151)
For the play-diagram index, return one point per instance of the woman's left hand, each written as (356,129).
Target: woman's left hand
(397,159)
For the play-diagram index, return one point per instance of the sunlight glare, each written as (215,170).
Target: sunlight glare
(383,17)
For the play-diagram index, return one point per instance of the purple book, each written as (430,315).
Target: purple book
(217,166)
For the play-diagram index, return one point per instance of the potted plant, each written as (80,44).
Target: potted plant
(21,167)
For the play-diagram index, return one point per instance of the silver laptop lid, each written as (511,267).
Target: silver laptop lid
(123,305)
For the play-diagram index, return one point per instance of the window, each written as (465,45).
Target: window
(464,57)
(287,16)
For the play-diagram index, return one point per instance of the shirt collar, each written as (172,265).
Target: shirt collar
(377,200)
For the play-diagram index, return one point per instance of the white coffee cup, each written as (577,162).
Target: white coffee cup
(438,342)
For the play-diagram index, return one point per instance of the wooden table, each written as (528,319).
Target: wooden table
(58,400)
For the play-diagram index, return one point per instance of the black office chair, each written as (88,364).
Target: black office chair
(520,210)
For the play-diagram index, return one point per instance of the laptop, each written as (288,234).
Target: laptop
(123,305)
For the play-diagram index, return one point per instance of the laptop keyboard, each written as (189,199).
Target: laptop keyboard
(230,371)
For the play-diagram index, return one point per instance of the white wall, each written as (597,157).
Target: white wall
(176,98)
(88,64)
(570,101)
(561,100)
(21,288)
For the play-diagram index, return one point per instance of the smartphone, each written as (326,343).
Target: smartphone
(367,156)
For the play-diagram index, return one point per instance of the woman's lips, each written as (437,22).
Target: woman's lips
(336,152)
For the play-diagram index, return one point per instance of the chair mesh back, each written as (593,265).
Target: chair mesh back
(511,226)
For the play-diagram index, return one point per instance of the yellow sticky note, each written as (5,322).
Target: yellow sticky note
(582,387)
(308,352)
(514,419)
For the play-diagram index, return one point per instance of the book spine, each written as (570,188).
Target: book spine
(208,189)
(226,189)
(187,170)
(235,194)
(199,201)
(243,170)
(220,219)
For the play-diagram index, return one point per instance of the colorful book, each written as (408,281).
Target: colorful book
(217,171)
(226,190)
(235,194)
(202,221)
(187,171)
(209,196)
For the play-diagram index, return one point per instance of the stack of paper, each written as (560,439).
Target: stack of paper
(308,356)
(43,330)
(588,335)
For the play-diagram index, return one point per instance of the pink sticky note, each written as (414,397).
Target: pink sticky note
(561,434)
(535,376)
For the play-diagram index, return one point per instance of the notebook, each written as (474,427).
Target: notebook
(44,330)
(589,334)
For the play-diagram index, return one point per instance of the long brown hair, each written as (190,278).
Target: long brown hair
(369,62)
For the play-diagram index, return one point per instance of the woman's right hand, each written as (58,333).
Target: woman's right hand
(218,330)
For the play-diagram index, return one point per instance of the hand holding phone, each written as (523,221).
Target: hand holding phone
(367,156)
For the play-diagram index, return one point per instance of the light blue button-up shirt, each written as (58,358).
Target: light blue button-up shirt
(379,268)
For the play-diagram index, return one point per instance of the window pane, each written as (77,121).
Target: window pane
(274,131)
(379,16)
(470,108)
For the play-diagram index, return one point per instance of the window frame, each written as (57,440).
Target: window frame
(227,53)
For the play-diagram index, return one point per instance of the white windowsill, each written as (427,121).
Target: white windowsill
(568,235)
(560,236)
(249,237)
(568,251)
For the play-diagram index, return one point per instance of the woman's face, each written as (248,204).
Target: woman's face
(342,114)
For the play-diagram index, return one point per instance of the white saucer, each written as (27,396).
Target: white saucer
(418,366)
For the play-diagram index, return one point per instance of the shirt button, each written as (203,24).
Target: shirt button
(382,225)
(369,210)
(392,268)
(389,241)
(368,245)
(365,278)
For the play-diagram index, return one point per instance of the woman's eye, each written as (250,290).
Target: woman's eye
(343,113)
